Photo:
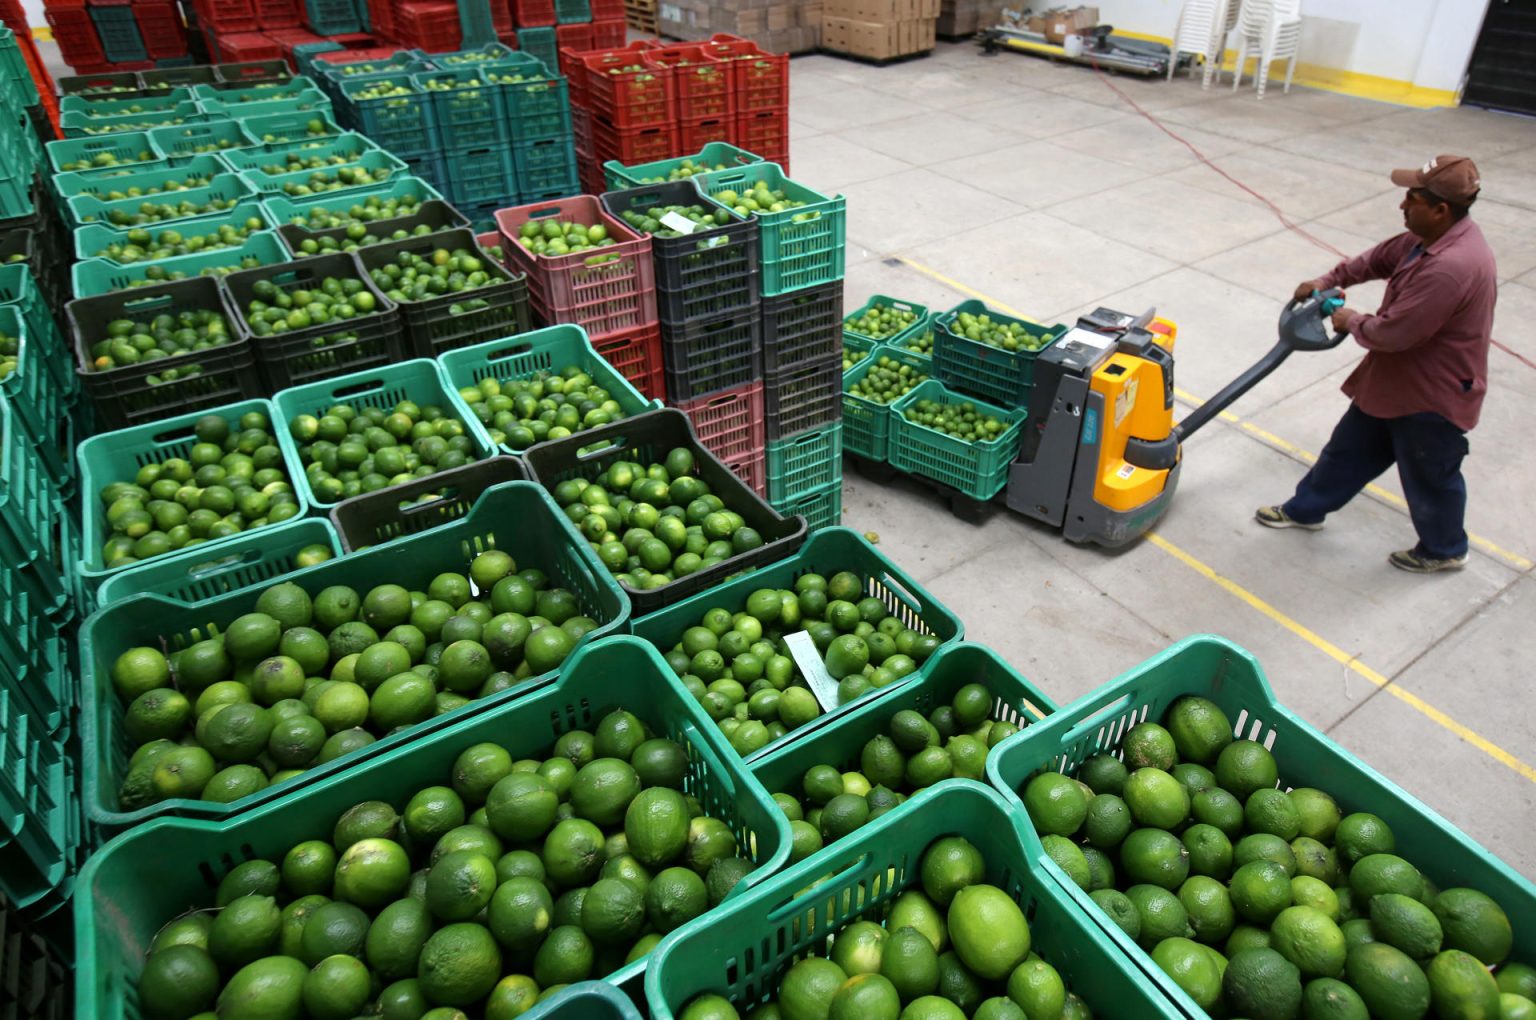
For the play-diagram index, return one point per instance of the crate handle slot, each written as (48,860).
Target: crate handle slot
(366,386)
(223,565)
(544,211)
(513,351)
(449,494)
(145,305)
(1100,716)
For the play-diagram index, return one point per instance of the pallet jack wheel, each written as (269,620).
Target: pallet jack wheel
(968,509)
(875,470)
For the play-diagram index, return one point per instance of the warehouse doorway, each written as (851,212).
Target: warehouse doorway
(1502,74)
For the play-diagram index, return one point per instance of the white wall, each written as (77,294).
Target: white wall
(1426,42)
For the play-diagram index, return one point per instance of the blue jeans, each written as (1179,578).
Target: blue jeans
(1428,451)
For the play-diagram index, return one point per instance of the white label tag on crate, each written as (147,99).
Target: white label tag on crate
(679,222)
(808,658)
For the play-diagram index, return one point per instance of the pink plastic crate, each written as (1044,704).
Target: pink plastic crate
(730,422)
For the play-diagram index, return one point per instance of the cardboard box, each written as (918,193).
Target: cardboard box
(780,17)
(811,15)
(1060,24)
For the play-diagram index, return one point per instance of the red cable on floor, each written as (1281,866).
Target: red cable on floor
(1279,214)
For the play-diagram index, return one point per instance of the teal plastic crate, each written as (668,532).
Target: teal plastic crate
(148,179)
(368,170)
(286,209)
(229,101)
(821,508)
(311,104)
(255,557)
(882,301)
(39,393)
(804,463)
(31,509)
(117,913)
(802,246)
(92,240)
(867,423)
(121,149)
(101,276)
(588,1000)
(714,156)
(516,517)
(117,457)
(470,113)
(545,167)
(212,136)
(289,126)
(981,369)
(827,552)
(550,349)
(1212,667)
(109,106)
(537,107)
(153,113)
(227,187)
(488,53)
(980,469)
(419,381)
(744,952)
(405,124)
(273,159)
(919,341)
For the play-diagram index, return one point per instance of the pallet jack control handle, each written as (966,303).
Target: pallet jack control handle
(1303,327)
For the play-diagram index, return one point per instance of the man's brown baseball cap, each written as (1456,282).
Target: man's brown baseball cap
(1453,178)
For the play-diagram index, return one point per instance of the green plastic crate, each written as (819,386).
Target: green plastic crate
(550,349)
(290,126)
(802,246)
(821,508)
(31,547)
(433,213)
(108,106)
(716,154)
(981,369)
(263,158)
(1215,668)
(155,113)
(127,147)
(866,423)
(100,276)
(371,162)
(539,107)
(804,463)
(743,953)
(418,380)
(38,392)
(230,101)
(517,517)
(588,1000)
(827,552)
(853,343)
(143,176)
(91,209)
(909,343)
(373,518)
(470,113)
(117,456)
(980,470)
(96,237)
(211,136)
(405,125)
(882,301)
(258,556)
(287,209)
(312,103)
(117,912)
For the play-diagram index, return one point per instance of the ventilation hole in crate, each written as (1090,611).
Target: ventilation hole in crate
(1240,722)
(1269,740)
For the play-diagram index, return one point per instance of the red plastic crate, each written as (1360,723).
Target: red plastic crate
(75,33)
(501,18)
(761,79)
(608,10)
(628,99)
(752,468)
(381,15)
(701,85)
(581,128)
(278,13)
(433,27)
(288,38)
(634,145)
(533,13)
(730,422)
(609,297)
(161,29)
(573,37)
(243,46)
(692,136)
(636,355)
(221,16)
(608,34)
(765,134)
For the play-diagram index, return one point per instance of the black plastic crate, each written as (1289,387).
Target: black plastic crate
(803,327)
(646,438)
(35,981)
(434,213)
(288,359)
(136,394)
(707,355)
(378,517)
(706,274)
(431,326)
(253,72)
(806,397)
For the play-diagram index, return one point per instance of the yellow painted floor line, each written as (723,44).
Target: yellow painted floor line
(1514,559)
(1342,657)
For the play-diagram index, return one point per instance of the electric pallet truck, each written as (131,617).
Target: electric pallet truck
(1100,454)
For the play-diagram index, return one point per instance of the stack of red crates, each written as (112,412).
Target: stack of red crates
(75,33)
(704,96)
(609,29)
(161,29)
(760,84)
(278,14)
(433,26)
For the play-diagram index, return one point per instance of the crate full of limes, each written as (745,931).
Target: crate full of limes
(664,515)
(159,351)
(1251,867)
(875,381)
(741,647)
(207,709)
(953,438)
(315,318)
(374,518)
(541,843)
(988,353)
(937,912)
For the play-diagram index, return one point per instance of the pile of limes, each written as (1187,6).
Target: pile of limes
(231,480)
(346,176)
(951,743)
(484,894)
(144,125)
(296,160)
(369,210)
(106,159)
(145,246)
(158,274)
(412,277)
(316,128)
(852,356)
(274,310)
(1268,903)
(553,238)
(1005,334)
(953,948)
(547,405)
(385,90)
(961,420)
(756,199)
(358,236)
(922,343)
(649,221)
(887,380)
(134,191)
(740,668)
(652,524)
(10,354)
(156,212)
(684,171)
(510,78)
(308,677)
(351,450)
(136,341)
(880,321)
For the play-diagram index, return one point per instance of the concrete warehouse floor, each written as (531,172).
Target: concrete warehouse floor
(1035,186)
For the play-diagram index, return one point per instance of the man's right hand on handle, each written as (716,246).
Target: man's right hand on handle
(1306,289)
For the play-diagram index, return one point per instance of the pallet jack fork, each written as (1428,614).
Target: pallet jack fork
(1098,47)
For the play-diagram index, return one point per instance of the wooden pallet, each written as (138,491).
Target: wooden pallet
(641,15)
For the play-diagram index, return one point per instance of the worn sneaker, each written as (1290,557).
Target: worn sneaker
(1415,563)
(1275,517)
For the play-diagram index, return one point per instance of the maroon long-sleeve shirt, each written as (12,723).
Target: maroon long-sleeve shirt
(1428,342)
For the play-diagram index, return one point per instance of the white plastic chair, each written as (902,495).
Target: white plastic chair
(1273,29)
(1202,31)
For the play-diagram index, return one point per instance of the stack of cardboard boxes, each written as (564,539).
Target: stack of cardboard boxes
(778,26)
(879,29)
